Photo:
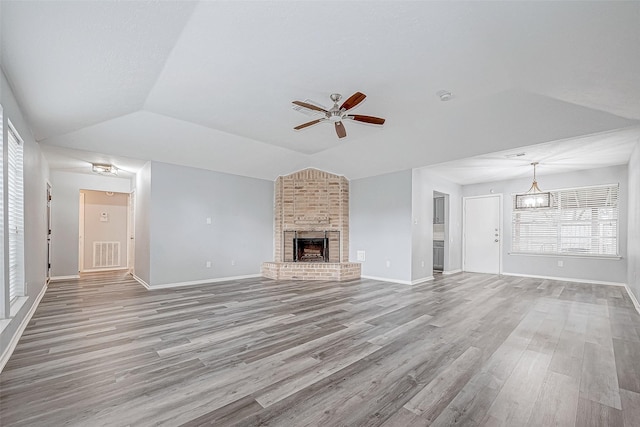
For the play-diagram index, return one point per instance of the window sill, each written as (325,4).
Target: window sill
(16,305)
(4,323)
(556,255)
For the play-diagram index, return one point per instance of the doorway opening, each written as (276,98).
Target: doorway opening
(440,230)
(104,224)
(48,275)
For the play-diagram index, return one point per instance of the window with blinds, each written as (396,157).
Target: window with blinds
(15,214)
(580,221)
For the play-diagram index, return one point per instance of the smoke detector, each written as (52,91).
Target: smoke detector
(444,95)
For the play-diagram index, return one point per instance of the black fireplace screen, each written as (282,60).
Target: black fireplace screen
(311,250)
(311,246)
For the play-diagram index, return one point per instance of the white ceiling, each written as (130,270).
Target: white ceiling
(209,84)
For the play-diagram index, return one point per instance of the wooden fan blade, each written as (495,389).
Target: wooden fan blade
(304,125)
(340,130)
(309,106)
(353,100)
(367,119)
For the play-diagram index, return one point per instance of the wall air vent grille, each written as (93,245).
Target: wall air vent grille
(106,254)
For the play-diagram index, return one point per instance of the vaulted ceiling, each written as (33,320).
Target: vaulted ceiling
(209,84)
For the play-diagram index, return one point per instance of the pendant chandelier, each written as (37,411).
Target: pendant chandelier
(534,198)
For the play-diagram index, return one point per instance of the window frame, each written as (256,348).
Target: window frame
(558,221)
(15,212)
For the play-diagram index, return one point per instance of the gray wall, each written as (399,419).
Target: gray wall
(601,270)
(633,242)
(424,184)
(238,240)
(380,224)
(36,174)
(142,224)
(65,189)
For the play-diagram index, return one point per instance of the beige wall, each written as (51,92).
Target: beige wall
(114,229)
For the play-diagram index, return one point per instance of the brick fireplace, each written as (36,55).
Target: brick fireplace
(311,233)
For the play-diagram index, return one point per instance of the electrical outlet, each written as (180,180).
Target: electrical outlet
(208,264)
(560,263)
(388,263)
(208,220)
(360,256)
(233,262)
(423,263)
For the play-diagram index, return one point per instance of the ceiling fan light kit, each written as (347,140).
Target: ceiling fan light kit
(337,114)
(534,198)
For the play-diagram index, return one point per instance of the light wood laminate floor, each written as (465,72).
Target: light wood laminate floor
(465,349)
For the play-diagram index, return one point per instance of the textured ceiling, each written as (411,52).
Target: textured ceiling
(210,84)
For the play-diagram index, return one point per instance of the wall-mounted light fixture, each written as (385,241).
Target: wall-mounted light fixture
(534,198)
(104,169)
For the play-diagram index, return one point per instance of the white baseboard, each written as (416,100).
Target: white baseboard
(58,278)
(566,279)
(6,354)
(422,280)
(142,282)
(385,279)
(105,270)
(633,298)
(195,282)
(446,272)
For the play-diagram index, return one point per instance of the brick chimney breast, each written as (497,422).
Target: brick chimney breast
(318,201)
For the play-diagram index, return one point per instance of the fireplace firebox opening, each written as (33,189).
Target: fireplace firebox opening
(311,246)
(311,249)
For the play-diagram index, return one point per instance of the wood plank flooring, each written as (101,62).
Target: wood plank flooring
(467,349)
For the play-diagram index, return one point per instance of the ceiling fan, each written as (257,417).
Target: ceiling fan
(337,114)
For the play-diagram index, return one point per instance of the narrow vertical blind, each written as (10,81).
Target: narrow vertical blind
(15,215)
(580,221)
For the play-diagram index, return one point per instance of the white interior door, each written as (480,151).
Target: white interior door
(482,234)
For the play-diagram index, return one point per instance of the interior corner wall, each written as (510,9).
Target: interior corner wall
(236,242)
(65,203)
(380,225)
(36,174)
(142,224)
(574,268)
(633,240)
(424,184)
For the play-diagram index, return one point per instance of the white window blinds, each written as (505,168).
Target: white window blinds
(15,215)
(580,221)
